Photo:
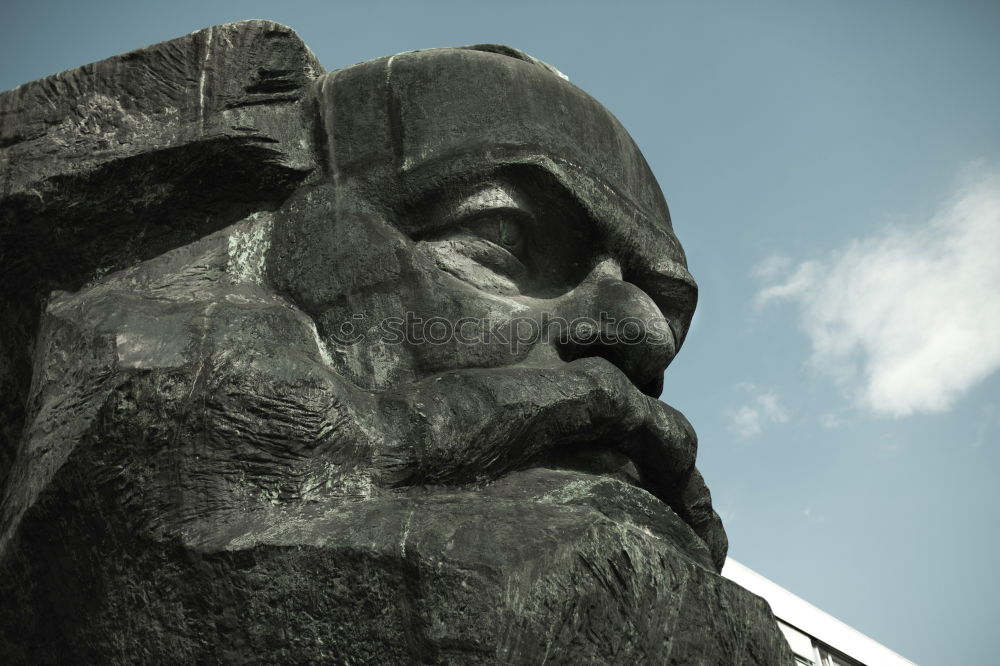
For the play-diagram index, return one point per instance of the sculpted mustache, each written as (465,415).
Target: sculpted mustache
(470,425)
(486,422)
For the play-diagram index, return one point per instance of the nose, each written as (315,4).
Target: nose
(608,317)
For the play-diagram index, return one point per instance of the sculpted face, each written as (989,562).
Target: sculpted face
(448,341)
(483,235)
(462,294)
(518,190)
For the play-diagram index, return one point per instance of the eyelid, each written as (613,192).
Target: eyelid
(500,229)
(517,214)
(494,199)
(494,196)
(468,224)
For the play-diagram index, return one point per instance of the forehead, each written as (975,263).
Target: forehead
(407,123)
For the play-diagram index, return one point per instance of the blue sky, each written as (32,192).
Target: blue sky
(833,171)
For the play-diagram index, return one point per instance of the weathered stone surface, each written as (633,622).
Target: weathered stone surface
(530,567)
(118,161)
(237,82)
(226,440)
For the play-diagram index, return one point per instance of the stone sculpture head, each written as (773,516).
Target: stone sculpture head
(378,388)
(458,147)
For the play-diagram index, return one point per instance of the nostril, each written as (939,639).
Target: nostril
(654,387)
(609,318)
(641,368)
(639,344)
(674,292)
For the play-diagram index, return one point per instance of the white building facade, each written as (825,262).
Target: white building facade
(816,638)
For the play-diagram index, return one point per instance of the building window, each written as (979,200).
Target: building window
(830,658)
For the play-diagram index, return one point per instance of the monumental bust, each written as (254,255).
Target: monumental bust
(353,367)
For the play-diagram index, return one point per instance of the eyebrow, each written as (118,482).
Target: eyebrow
(450,200)
(455,166)
(649,249)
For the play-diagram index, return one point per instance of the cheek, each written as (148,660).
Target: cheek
(358,324)
(424,322)
(455,325)
(475,263)
(386,310)
(325,249)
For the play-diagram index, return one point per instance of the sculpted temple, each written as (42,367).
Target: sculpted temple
(353,367)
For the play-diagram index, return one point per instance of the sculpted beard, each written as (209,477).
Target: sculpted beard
(259,419)
(207,470)
(226,392)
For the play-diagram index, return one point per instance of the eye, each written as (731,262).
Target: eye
(523,226)
(485,248)
(501,227)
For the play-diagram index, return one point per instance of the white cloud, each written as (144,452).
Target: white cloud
(772,267)
(813,516)
(831,421)
(764,409)
(907,319)
(798,282)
